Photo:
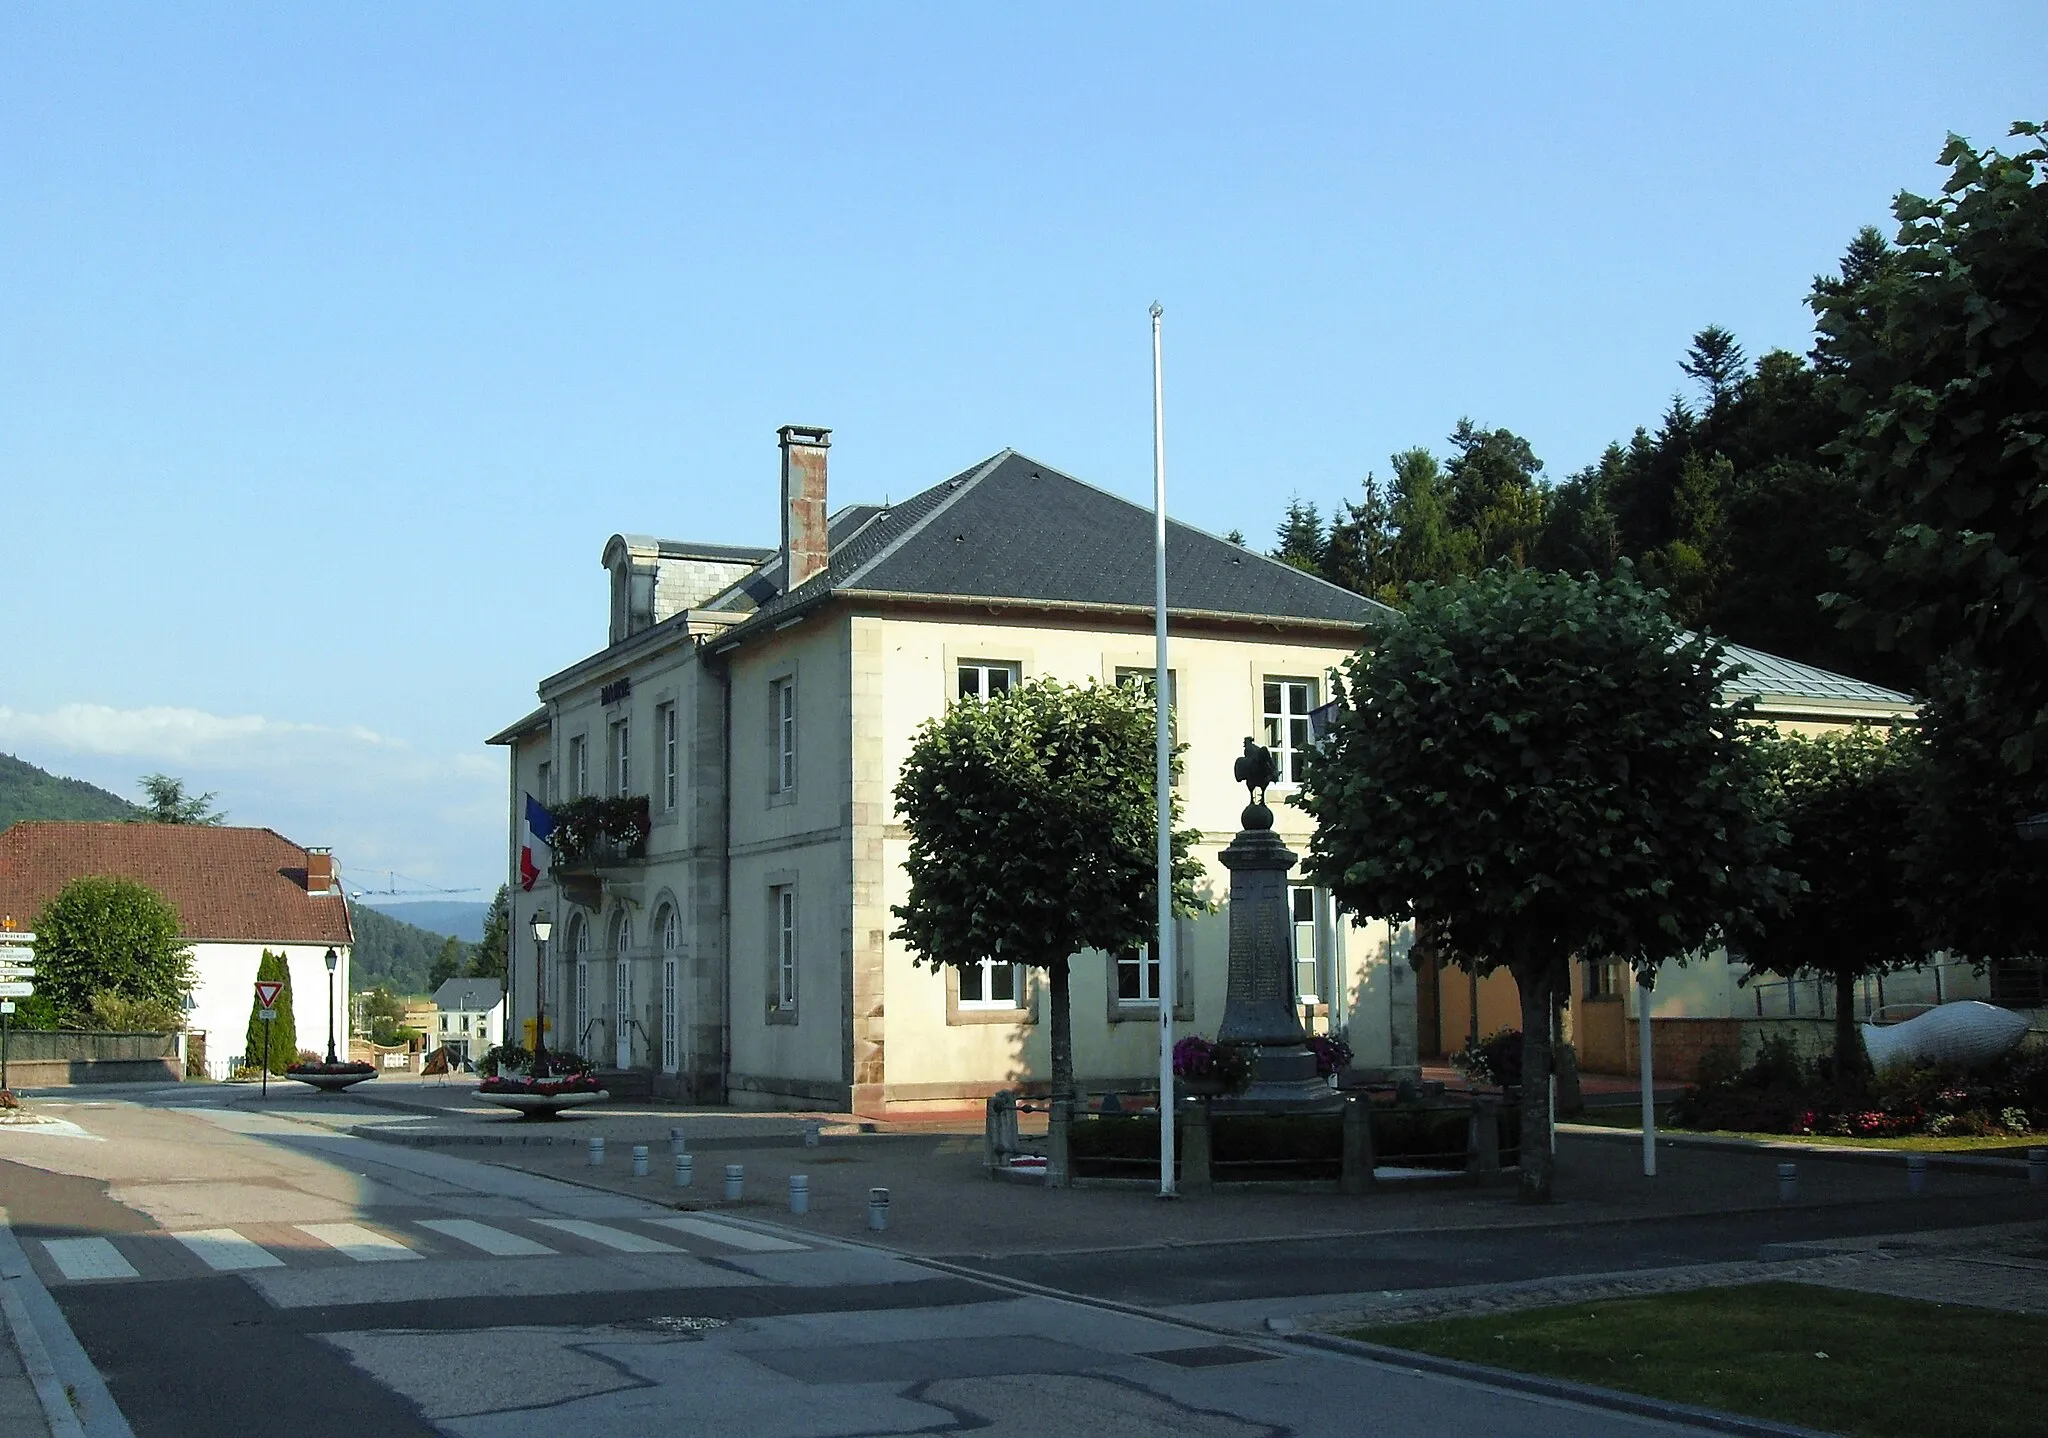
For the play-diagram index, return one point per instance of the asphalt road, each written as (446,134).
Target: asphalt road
(233,1271)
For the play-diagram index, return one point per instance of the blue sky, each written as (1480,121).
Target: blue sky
(335,340)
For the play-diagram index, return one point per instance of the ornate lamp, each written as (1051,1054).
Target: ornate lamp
(332,959)
(543,926)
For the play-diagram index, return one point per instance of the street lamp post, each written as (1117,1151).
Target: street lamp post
(542,927)
(331,961)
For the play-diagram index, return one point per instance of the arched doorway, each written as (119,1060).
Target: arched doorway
(621,940)
(579,983)
(668,929)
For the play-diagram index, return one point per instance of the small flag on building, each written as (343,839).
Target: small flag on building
(535,843)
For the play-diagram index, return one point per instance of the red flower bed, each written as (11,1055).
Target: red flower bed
(549,1087)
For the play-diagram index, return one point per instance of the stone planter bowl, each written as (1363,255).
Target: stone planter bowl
(542,1105)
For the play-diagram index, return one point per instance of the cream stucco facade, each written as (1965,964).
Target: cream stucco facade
(746,955)
(858,1024)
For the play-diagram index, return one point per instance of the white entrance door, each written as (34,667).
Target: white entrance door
(670,1024)
(623,1013)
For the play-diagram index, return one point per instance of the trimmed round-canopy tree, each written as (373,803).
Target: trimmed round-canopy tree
(109,936)
(1533,767)
(1846,801)
(1032,836)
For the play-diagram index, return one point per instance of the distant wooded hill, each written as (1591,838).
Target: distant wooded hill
(27,792)
(441,916)
(391,952)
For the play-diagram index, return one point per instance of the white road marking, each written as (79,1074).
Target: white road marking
(226,1251)
(78,1258)
(730,1235)
(491,1240)
(362,1244)
(617,1238)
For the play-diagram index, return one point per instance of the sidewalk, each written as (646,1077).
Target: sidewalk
(21,1411)
(943,1204)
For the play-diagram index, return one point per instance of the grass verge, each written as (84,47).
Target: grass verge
(1912,1143)
(1853,1363)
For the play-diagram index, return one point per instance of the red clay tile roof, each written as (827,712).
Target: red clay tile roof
(228,885)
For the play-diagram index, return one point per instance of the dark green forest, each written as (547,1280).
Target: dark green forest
(1733,501)
(27,792)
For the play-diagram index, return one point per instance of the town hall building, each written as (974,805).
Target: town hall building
(727,848)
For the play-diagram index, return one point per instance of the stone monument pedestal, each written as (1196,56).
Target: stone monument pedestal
(1259,1007)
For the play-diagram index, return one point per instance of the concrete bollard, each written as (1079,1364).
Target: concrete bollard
(1916,1173)
(1788,1182)
(639,1160)
(813,1131)
(735,1180)
(2037,1167)
(686,1170)
(799,1193)
(597,1153)
(676,1142)
(878,1209)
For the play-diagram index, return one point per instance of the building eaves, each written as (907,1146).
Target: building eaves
(513,733)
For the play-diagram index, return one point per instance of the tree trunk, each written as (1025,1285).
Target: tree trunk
(1850,1059)
(1062,1032)
(1536,987)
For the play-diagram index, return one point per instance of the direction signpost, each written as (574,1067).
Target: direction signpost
(17,967)
(267,991)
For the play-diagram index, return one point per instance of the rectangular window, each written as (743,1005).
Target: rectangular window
(579,767)
(784,906)
(540,781)
(1287,706)
(622,758)
(666,719)
(1607,980)
(984,679)
(991,985)
(1141,680)
(1137,976)
(1308,974)
(782,716)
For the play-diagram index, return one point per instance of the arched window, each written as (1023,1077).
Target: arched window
(668,926)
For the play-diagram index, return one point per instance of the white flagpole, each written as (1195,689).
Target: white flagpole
(1162,751)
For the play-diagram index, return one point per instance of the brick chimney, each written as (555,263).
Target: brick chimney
(319,871)
(805,547)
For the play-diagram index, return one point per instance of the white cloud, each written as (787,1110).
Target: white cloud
(381,804)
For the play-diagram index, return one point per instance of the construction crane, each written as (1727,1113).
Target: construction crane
(392,891)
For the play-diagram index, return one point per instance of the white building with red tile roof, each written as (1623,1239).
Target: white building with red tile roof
(238,891)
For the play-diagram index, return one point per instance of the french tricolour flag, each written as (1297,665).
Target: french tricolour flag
(539,836)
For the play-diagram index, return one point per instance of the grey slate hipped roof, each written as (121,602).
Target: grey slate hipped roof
(468,995)
(1013,529)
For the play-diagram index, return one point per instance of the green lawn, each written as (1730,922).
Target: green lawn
(1918,1143)
(1852,1363)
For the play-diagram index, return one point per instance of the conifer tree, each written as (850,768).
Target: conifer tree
(284,1033)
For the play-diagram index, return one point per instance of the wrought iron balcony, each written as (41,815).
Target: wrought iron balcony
(595,833)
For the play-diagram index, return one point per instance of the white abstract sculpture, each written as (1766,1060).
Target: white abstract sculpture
(1965,1032)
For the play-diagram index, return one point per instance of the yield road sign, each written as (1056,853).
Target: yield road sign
(16,989)
(267,991)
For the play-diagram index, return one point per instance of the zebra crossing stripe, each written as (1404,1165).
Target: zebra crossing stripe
(353,1240)
(494,1241)
(226,1251)
(730,1235)
(617,1238)
(80,1258)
